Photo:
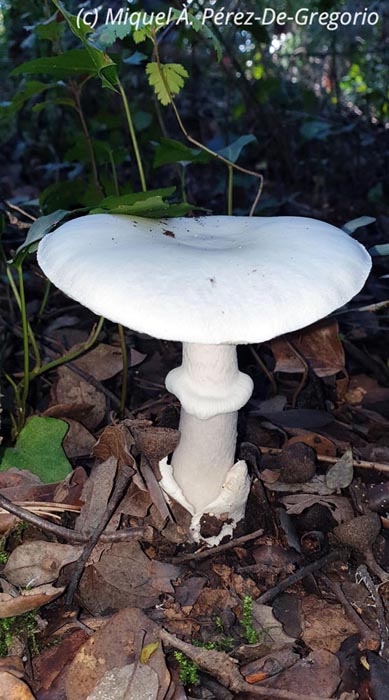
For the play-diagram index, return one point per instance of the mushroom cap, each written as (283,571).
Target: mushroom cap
(212,279)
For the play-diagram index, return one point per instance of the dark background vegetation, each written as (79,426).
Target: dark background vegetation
(311,103)
(316,101)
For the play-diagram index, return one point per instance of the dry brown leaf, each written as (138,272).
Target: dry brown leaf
(115,441)
(12,688)
(70,489)
(74,411)
(102,362)
(78,441)
(11,606)
(325,625)
(154,443)
(34,563)
(50,666)
(125,576)
(71,388)
(95,495)
(136,502)
(16,484)
(318,344)
(270,627)
(340,507)
(318,674)
(114,646)
(130,682)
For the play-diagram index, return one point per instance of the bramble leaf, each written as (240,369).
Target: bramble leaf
(169,83)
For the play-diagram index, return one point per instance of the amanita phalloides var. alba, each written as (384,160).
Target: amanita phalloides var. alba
(212,282)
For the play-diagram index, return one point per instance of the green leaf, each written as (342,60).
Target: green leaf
(149,204)
(38,230)
(72,62)
(104,66)
(172,151)
(62,101)
(39,450)
(171,81)
(50,30)
(108,33)
(29,90)
(202,28)
(233,151)
(354,224)
(64,195)
(147,651)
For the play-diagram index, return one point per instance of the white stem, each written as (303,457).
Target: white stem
(211,389)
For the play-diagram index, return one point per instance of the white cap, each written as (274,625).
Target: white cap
(211,279)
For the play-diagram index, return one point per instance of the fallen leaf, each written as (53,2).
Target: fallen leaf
(318,344)
(72,389)
(102,362)
(340,507)
(341,474)
(96,494)
(318,674)
(125,576)
(115,441)
(34,563)
(130,682)
(12,688)
(322,445)
(50,665)
(115,646)
(11,606)
(78,441)
(325,625)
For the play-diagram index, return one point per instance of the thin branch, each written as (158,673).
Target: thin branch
(357,463)
(64,532)
(219,665)
(203,554)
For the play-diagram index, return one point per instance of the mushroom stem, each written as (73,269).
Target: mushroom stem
(211,390)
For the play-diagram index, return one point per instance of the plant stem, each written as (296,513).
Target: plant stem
(70,355)
(182,171)
(26,357)
(133,136)
(123,394)
(33,342)
(230,188)
(198,144)
(114,174)
(44,300)
(76,91)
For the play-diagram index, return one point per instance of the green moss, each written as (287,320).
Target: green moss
(24,626)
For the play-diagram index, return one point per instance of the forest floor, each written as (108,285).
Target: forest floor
(103,597)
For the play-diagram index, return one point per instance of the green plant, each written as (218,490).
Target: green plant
(252,636)
(3,553)
(188,669)
(24,626)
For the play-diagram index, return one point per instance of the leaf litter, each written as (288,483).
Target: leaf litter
(139,600)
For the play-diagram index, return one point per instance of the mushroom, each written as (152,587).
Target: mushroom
(212,282)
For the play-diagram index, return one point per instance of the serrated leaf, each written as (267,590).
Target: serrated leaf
(201,28)
(169,83)
(147,651)
(354,224)
(171,151)
(341,474)
(50,30)
(39,450)
(233,150)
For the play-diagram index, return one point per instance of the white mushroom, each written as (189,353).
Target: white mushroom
(212,283)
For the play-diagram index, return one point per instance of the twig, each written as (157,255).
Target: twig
(264,369)
(364,630)
(219,665)
(123,476)
(360,463)
(21,211)
(203,554)
(64,532)
(272,593)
